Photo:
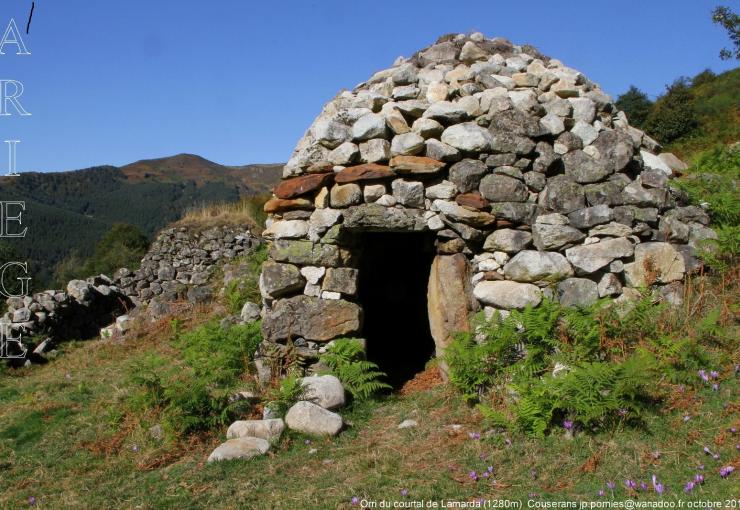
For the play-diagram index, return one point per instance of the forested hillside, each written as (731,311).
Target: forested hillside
(71,211)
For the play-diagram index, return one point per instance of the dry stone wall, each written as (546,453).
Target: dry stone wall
(181,261)
(533,183)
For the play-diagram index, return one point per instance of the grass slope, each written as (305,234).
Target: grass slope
(68,440)
(717,104)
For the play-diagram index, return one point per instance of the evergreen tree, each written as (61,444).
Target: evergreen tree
(636,105)
(673,116)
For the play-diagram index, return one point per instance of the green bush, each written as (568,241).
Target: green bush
(346,360)
(192,392)
(246,288)
(713,180)
(287,393)
(591,366)
(122,246)
(636,105)
(673,116)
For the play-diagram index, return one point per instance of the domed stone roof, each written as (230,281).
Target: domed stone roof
(532,182)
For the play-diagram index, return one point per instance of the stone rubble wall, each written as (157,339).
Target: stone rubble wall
(178,265)
(77,313)
(519,164)
(181,261)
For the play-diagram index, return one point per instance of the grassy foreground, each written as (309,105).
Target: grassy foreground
(66,442)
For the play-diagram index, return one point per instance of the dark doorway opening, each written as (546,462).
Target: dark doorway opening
(394,274)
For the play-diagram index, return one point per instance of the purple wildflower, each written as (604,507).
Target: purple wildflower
(490,469)
(681,388)
(404,493)
(533,495)
(715,387)
(707,450)
(703,375)
(715,456)
(733,430)
(474,435)
(31,500)
(355,500)
(135,448)
(473,476)
(725,471)
(482,456)
(568,425)
(686,418)
(698,479)
(643,486)
(737,446)
(486,474)
(623,412)
(656,455)
(602,493)
(307,441)
(659,488)
(533,474)
(701,466)
(507,441)
(630,484)
(688,487)
(611,485)
(713,374)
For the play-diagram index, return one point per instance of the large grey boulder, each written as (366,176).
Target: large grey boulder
(309,418)
(577,292)
(324,390)
(508,240)
(532,266)
(467,136)
(240,448)
(250,312)
(654,263)
(466,174)
(502,188)
(269,430)
(554,237)
(592,257)
(507,294)
(279,279)
(312,318)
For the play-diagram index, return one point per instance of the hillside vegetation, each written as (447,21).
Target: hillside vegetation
(692,116)
(71,211)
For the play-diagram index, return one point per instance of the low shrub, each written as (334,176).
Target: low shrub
(361,378)
(246,288)
(593,367)
(192,392)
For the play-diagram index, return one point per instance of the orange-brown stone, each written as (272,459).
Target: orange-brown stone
(416,165)
(276,205)
(297,186)
(364,172)
(474,200)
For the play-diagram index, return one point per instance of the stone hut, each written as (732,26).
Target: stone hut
(476,174)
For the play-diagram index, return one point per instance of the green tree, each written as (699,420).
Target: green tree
(706,76)
(673,116)
(122,246)
(727,19)
(636,105)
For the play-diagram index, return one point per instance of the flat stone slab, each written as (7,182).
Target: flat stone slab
(269,430)
(240,448)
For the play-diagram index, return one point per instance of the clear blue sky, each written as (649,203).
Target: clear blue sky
(239,81)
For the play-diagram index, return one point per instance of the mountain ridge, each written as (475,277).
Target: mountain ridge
(69,211)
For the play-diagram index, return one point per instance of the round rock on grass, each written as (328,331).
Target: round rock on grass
(309,418)
(240,448)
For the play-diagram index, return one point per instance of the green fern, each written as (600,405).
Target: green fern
(346,360)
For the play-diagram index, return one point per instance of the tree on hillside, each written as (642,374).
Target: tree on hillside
(122,246)
(727,19)
(636,105)
(673,115)
(706,76)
